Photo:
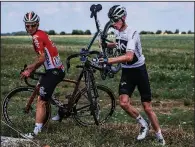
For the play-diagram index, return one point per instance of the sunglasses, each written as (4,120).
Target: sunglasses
(113,20)
(28,26)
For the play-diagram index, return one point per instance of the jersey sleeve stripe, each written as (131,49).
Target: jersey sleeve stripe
(133,34)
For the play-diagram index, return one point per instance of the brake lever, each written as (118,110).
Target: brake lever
(25,65)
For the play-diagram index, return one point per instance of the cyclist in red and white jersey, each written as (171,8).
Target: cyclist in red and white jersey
(43,44)
(47,55)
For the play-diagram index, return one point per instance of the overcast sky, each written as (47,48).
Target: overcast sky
(66,16)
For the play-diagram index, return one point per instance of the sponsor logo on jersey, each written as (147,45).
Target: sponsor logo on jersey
(47,59)
(36,42)
(123,83)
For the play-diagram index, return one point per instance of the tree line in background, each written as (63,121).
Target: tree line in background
(51,32)
(88,32)
(167,32)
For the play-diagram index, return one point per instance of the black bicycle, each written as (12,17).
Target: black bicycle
(88,104)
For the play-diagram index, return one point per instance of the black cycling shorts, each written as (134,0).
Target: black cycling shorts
(49,81)
(132,77)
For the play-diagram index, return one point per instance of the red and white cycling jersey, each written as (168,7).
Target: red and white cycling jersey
(43,44)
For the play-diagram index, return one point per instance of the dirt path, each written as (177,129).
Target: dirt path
(164,107)
(14,142)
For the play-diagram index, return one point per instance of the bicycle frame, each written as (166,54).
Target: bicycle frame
(71,102)
(77,82)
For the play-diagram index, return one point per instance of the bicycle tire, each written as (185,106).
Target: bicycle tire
(13,110)
(107,106)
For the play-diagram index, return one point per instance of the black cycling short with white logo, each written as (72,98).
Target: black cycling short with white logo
(49,81)
(132,77)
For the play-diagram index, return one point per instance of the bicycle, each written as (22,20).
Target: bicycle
(83,105)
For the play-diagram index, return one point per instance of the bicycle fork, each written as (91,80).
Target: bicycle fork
(30,100)
(91,86)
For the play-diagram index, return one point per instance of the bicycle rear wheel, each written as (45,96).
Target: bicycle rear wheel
(106,103)
(14,110)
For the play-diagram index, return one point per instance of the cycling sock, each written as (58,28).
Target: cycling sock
(141,121)
(38,127)
(36,130)
(159,134)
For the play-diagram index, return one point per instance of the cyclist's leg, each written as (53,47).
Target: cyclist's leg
(125,102)
(53,77)
(47,86)
(145,92)
(58,75)
(126,88)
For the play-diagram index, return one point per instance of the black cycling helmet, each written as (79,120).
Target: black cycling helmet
(31,17)
(117,12)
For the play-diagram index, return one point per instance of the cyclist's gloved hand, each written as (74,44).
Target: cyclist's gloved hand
(103,60)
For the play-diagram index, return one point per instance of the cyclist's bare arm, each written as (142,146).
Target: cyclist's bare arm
(39,47)
(111,45)
(38,62)
(123,58)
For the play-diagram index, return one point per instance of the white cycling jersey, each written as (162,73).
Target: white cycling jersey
(129,40)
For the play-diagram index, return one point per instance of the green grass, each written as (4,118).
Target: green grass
(170,64)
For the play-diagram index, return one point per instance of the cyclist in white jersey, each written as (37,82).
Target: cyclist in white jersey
(134,72)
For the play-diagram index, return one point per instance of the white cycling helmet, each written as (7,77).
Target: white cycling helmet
(31,17)
(117,12)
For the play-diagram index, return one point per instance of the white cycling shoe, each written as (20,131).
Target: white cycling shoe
(143,132)
(28,135)
(56,118)
(161,141)
(33,134)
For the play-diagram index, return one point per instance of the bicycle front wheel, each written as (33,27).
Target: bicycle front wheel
(105,102)
(14,110)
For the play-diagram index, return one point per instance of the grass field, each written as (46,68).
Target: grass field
(170,64)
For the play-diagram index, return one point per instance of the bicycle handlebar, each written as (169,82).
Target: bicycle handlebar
(85,53)
(32,76)
(93,64)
